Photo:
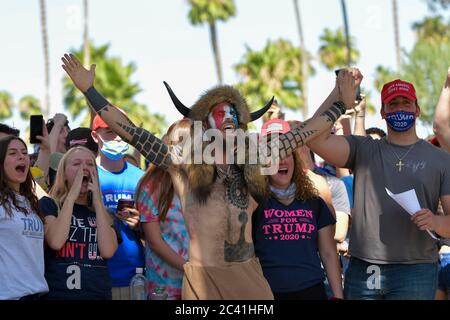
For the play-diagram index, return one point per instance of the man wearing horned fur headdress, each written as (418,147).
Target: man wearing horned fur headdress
(217,199)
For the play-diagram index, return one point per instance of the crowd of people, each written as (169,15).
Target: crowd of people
(79,217)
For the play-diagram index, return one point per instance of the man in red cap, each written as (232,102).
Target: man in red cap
(118,180)
(393,257)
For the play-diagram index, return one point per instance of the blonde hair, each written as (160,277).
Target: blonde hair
(60,189)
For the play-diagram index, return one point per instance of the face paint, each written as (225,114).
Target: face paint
(222,113)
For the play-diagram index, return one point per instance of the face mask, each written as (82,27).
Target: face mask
(401,120)
(114,149)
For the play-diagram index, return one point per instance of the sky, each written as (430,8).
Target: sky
(158,38)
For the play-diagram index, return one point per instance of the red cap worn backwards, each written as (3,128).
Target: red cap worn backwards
(275,126)
(397,88)
(99,123)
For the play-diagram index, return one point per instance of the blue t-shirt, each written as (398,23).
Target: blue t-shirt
(285,240)
(76,271)
(130,253)
(348,181)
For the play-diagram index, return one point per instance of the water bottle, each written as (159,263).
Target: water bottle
(137,286)
(158,293)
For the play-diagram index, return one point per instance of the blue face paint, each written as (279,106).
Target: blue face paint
(400,121)
(234,114)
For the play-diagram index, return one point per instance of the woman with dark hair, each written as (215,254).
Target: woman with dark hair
(293,232)
(78,231)
(163,224)
(21,225)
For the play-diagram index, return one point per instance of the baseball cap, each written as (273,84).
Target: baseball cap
(397,88)
(81,137)
(99,123)
(275,126)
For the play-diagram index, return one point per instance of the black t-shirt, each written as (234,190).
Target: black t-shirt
(77,271)
(286,244)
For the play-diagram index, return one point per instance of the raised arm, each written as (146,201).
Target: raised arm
(360,118)
(332,148)
(441,124)
(152,148)
(341,98)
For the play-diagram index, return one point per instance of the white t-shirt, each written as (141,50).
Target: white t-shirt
(21,253)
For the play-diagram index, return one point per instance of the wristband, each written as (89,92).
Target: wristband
(97,101)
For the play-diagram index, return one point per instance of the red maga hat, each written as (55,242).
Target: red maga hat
(397,88)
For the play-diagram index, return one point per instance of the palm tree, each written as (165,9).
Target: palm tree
(87,54)
(397,36)
(29,105)
(433,4)
(432,30)
(305,60)
(86,47)
(46,57)
(347,33)
(210,11)
(333,50)
(112,78)
(6,105)
(273,71)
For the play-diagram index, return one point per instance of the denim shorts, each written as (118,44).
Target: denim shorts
(369,281)
(444,272)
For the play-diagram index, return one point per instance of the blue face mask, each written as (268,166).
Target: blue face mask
(114,149)
(401,120)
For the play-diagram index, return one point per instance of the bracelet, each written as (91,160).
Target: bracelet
(97,101)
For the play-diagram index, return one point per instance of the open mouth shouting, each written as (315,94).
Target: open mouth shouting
(86,179)
(21,168)
(283,170)
(227,126)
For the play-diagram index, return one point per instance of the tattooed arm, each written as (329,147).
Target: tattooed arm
(152,148)
(333,148)
(333,107)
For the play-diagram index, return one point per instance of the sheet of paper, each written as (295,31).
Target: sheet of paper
(408,200)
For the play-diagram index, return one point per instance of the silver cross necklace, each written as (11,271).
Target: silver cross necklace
(400,163)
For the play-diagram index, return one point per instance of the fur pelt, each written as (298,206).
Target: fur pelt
(219,94)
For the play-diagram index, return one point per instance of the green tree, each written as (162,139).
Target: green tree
(210,11)
(113,79)
(432,30)
(6,105)
(333,49)
(29,105)
(425,65)
(434,4)
(274,71)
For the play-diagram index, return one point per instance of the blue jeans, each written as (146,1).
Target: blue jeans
(368,281)
(444,272)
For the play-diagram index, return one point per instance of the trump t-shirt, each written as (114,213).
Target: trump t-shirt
(286,242)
